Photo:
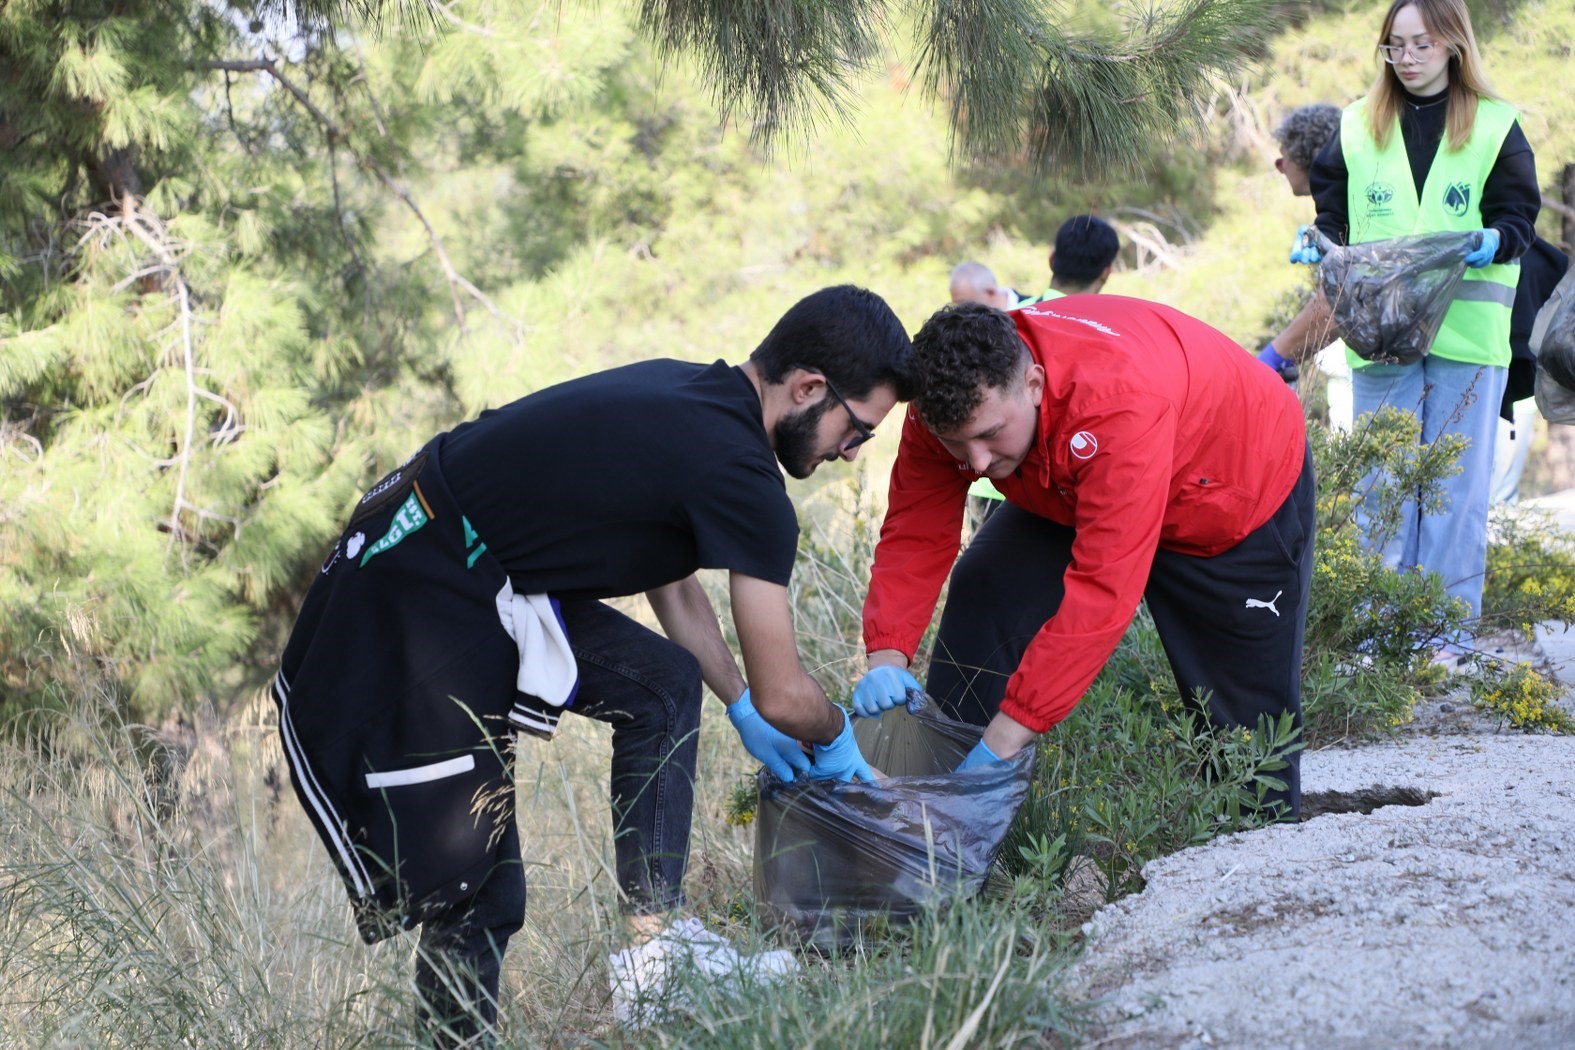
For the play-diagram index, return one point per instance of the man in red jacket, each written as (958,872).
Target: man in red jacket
(1143,455)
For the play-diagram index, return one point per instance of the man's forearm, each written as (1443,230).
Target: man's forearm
(1310,330)
(1005,736)
(687,617)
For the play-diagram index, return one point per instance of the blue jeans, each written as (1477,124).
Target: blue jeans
(1449,397)
(648,689)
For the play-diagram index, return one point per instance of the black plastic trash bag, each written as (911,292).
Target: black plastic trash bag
(1389,297)
(830,857)
(1553,342)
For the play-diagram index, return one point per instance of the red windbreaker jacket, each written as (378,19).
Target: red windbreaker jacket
(1155,430)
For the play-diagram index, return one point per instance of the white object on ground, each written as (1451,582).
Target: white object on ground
(648,981)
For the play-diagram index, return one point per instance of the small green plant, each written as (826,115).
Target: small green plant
(1133,776)
(743,802)
(976,974)
(1521,697)
(1344,698)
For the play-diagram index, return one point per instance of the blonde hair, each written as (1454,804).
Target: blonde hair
(1449,24)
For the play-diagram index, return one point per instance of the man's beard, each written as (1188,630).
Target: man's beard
(794,438)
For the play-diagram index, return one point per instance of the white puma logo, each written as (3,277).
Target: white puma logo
(1254,603)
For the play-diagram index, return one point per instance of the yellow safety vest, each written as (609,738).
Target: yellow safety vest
(1381,202)
(1043,297)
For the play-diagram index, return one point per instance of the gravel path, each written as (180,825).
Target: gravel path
(1430,907)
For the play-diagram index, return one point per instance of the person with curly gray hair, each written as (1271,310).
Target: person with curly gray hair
(1302,133)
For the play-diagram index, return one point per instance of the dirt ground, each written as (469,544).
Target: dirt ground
(1430,905)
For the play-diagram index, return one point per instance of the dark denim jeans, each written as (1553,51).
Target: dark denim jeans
(648,689)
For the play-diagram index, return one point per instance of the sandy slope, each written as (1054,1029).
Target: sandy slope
(1443,918)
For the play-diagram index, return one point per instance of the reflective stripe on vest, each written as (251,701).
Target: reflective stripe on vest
(1043,297)
(1381,202)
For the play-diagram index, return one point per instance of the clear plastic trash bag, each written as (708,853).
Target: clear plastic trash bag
(1553,343)
(1389,297)
(832,857)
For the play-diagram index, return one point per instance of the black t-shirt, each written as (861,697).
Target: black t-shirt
(626,480)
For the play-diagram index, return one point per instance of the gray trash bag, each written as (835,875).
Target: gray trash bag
(1389,297)
(831,857)
(1553,343)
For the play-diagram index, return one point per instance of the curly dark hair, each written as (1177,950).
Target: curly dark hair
(963,350)
(1305,129)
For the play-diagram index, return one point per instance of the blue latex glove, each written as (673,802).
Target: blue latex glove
(1283,365)
(1303,250)
(881,689)
(1483,253)
(774,749)
(979,756)
(841,759)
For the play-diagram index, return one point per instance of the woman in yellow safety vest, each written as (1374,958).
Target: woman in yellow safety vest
(1431,148)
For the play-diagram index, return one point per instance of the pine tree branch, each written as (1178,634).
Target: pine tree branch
(146,228)
(336,135)
(155,237)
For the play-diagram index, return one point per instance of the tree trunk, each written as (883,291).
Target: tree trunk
(115,176)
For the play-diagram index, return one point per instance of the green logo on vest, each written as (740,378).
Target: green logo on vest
(1457,198)
(1379,194)
(408,519)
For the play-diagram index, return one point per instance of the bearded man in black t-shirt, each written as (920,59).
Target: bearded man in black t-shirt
(464,600)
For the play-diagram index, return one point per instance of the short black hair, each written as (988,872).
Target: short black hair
(963,350)
(847,334)
(1085,246)
(1305,131)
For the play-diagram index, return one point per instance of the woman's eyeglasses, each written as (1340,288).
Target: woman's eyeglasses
(1393,53)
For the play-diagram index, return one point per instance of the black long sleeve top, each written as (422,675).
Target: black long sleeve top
(1510,199)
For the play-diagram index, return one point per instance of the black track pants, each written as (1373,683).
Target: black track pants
(1231,624)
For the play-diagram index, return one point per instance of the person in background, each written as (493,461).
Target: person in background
(973,282)
(1115,429)
(1430,149)
(1541,269)
(1084,255)
(465,601)
(1303,132)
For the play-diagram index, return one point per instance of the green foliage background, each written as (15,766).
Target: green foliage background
(395,230)
(387,233)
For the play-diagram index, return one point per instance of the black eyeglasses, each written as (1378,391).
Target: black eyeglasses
(862,431)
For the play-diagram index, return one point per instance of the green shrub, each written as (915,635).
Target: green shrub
(1530,571)
(1132,776)
(1371,629)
